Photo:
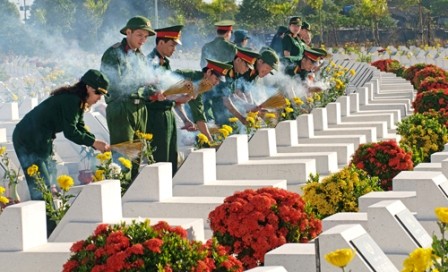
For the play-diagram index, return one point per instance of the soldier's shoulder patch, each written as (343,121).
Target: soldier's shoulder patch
(116,45)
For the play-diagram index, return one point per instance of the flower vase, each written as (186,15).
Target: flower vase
(13,193)
(85,176)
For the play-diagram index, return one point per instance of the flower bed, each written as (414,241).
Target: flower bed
(384,160)
(435,99)
(389,65)
(141,247)
(339,192)
(251,223)
(430,83)
(429,71)
(423,134)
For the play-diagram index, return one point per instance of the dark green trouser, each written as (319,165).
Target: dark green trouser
(125,117)
(162,124)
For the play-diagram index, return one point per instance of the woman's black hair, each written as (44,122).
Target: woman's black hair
(79,89)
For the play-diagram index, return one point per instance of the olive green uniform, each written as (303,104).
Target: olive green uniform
(218,49)
(126,111)
(293,69)
(294,45)
(161,120)
(213,100)
(34,134)
(196,105)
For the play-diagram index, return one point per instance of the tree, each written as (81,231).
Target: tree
(54,16)
(374,10)
(318,5)
(219,10)
(13,36)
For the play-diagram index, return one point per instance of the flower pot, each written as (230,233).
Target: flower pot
(85,176)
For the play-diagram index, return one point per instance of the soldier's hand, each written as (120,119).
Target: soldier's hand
(101,145)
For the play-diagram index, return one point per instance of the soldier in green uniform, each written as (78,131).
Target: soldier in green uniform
(218,102)
(276,42)
(292,44)
(161,118)
(125,65)
(264,65)
(220,49)
(302,67)
(213,73)
(63,112)
(305,33)
(241,38)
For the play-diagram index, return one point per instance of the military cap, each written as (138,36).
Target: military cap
(96,80)
(172,32)
(269,57)
(224,25)
(220,69)
(138,22)
(312,54)
(248,56)
(321,51)
(295,20)
(306,25)
(240,35)
(281,30)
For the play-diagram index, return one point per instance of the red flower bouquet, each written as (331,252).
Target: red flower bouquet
(435,99)
(384,160)
(141,247)
(432,71)
(430,83)
(251,223)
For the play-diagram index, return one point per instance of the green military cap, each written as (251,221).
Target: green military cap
(172,32)
(240,35)
(269,57)
(220,69)
(321,51)
(295,20)
(96,80)
(138,22)
(224,25)
(306,25)
(249,56)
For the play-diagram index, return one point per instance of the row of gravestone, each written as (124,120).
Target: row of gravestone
(283,157)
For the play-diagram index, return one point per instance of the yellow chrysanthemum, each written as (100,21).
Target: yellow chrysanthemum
(228,128)
(270,115)
(340,257)
(2,190)
(99,175)
(125,162)
(442,214)
(4,200)
(289,109)
(65,182)
(252,114)
(250,120)
(288,103)
(32,170)
(309,100)
(298,101)
(202,139)
(418,260)
(352,72)
(2,150)
(233,119)
(224,132)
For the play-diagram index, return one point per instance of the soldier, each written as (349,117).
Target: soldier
(264,65)
(220,48)
(305,33)
(276,42)
(161,118)
(218,102)
(213,73)
(292,45)
(241,38)
(63,112)
(307,64)
(126,67)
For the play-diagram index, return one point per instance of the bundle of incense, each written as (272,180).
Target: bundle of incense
(314,89)
(181,87)
(274,102)
(132,150)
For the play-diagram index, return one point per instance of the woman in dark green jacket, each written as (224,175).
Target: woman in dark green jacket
(62,112)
